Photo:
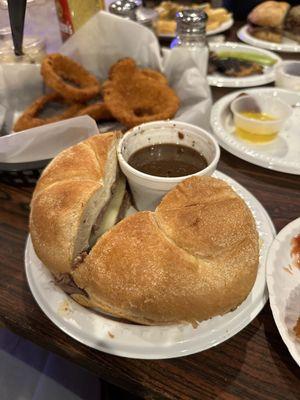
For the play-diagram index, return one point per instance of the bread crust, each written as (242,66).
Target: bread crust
(194,258)
(269,13)
(72,180)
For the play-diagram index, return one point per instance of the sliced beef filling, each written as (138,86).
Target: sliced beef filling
(67,284)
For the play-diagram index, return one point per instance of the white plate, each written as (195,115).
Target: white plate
(284,287)
(222,28)
(282,154)
(287,45)
(221,80)
(150,342)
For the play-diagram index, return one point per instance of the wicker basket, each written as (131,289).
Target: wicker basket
(22,174)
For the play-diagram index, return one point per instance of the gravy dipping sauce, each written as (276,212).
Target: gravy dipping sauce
(168,160)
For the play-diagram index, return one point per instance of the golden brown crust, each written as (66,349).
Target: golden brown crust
(30,119)
(134,98)
(99,111)
(54,221)
(68,185)
(269,13)
(57,68)
(267,34)
(194,258)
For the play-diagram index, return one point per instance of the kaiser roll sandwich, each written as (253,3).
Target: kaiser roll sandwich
(267,20)
(194,257)
(79,195)
(292,24)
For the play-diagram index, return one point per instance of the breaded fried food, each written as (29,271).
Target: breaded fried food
(134,98)
(99,111)
(30,117)
(69,78)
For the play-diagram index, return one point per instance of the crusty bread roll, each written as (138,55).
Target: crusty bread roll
(195,257)
(71,192)
(269,13)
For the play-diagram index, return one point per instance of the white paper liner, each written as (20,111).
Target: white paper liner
(102,41)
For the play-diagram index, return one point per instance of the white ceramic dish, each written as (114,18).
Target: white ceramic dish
(221,80)
(287,45)
(284,287)
(222,28)
(282,154)
(155,342)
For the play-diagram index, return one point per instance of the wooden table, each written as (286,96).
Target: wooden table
(254,364)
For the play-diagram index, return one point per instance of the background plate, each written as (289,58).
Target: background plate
(284,287)
(222,28)
(150,342)
(282,154)
(287,45)
(221,80)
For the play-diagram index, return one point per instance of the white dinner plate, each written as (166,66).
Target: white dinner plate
(220,80)
(284,287)
(287,45)
(150,342)
(222,28)
(282,154)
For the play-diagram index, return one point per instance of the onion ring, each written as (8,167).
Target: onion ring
(151,73)
(29,118)
(99,111)
(56,69)
(134,98)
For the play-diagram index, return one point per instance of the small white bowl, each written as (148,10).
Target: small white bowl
(288,75)
(147,190)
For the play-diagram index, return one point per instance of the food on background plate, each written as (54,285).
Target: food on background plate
(134,97)
(292,24)
(167,10)
(272,20)
(148,94)
(295,251)
(232,66)
(195,257)
(32,115)
(168,160)
(297,328)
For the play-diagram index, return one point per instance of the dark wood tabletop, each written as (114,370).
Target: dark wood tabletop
(254,364)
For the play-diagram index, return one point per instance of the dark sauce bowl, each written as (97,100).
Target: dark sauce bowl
(147,190)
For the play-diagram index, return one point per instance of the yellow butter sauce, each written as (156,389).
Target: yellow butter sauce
(265,134)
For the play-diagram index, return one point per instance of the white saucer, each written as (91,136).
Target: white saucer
(150,342)
(287,45)
(282,154)
(284,287)
(220,80)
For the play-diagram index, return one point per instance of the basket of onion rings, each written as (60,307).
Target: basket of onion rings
(128,97)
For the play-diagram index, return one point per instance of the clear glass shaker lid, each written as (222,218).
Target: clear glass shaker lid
(191,21)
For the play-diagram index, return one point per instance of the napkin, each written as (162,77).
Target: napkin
(102,41)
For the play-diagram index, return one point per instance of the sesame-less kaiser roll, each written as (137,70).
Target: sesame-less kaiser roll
(77,187)
(195,257)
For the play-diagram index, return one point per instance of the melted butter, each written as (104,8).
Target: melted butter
(252,135)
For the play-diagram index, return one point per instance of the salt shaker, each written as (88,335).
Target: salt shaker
(191,34)
(133,10)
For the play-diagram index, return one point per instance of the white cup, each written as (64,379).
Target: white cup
(147,190)
(288,75)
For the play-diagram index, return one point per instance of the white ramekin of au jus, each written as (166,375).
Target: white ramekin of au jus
(147,190)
